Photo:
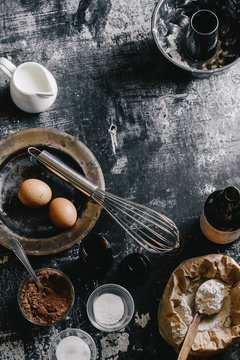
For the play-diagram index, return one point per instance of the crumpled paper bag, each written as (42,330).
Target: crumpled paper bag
(172,327)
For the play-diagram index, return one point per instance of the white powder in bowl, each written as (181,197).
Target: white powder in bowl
(108,309)
(73,348)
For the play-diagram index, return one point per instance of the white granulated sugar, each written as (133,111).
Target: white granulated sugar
(108,309)
(142,320)
(210,296)
(112,344)
(73,348)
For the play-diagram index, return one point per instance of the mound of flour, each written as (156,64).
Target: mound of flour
(186,309)
(210,296)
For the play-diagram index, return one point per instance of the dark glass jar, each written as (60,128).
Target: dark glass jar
(220,218)
(96,254)
(134,269)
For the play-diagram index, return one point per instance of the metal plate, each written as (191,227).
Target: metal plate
(33,226)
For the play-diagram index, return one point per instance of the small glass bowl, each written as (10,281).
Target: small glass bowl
(127,302)
(53,271)
(72,332)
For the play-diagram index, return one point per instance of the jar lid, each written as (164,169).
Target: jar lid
(95,254)
(134,268)
(95,249)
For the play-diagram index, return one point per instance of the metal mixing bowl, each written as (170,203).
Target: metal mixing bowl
(169,26)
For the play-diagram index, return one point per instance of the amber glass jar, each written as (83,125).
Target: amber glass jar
(96,254)
(220,218)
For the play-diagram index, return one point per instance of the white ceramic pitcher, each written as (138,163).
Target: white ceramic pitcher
(32,87)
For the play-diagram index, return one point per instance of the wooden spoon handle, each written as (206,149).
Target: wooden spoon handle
(190,336)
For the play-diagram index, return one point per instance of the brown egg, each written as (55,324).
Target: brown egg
(34,193)
(62,212)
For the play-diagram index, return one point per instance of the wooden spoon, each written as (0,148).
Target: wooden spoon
(199,313)
(190,336)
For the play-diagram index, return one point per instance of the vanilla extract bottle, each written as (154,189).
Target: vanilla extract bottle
(95,254)
(220,218)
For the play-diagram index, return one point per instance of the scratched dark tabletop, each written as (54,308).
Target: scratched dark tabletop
(178,140)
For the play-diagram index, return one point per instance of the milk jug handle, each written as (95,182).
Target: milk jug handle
(7,66)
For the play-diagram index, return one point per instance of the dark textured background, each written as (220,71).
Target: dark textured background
(178,140)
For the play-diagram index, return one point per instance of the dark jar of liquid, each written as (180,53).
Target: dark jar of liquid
(134,269)
(96,254)
(220,218)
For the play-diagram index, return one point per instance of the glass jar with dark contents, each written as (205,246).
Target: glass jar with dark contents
(134,269)
(220,218)
(95,254)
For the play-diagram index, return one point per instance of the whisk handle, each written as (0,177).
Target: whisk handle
(63,171)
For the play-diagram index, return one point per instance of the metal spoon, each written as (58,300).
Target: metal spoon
(20,253)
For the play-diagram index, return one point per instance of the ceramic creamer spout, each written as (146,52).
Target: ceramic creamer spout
(48,88)
(45,94)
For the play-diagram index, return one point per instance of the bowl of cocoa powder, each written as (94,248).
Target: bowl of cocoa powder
(49,305)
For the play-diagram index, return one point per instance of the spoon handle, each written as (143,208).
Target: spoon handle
(20,253)
(190,336)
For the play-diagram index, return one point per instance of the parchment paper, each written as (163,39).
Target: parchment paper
(171,325)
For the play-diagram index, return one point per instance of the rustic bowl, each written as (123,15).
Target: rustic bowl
(32,227)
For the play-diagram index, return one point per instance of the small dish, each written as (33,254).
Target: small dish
(84,336)
(128,307)
(62,293)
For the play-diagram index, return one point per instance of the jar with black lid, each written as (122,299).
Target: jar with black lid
(134,269)
(220,218)
(95,254)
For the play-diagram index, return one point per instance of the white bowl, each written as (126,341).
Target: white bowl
(128,305)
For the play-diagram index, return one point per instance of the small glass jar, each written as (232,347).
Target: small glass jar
(96,254)
(134,268)
(128,303)
(220,218)
(83,335)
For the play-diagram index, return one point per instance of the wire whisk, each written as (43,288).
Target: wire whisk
(150,229)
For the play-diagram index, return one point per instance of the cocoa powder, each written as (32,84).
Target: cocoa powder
(50,304)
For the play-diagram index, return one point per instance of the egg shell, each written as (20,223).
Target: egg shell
(62,213)
(34,193)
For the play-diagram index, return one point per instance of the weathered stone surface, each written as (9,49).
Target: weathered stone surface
(178,139)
